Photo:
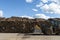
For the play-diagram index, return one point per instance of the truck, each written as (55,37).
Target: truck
(30,26)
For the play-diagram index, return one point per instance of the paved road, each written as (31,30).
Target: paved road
(16,36)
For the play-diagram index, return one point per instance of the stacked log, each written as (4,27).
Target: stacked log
(25,25)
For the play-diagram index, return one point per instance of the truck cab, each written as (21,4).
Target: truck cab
(56,25)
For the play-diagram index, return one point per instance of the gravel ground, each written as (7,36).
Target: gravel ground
(16,36)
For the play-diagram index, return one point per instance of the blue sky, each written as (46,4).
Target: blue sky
(30,8)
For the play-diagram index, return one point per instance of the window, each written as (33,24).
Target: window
(52,22)
(56,22)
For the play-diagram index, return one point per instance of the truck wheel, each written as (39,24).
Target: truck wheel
(48,32)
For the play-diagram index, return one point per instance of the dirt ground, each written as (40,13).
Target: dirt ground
(16,36)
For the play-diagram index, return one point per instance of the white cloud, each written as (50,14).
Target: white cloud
(44,1)
(40,4)
(35,10)
(48,6)
(1,13)
(45,7)
(27,17)
(56,1)
(29,1)
(37,16)
(55,8)
(41,16)
(51,8)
